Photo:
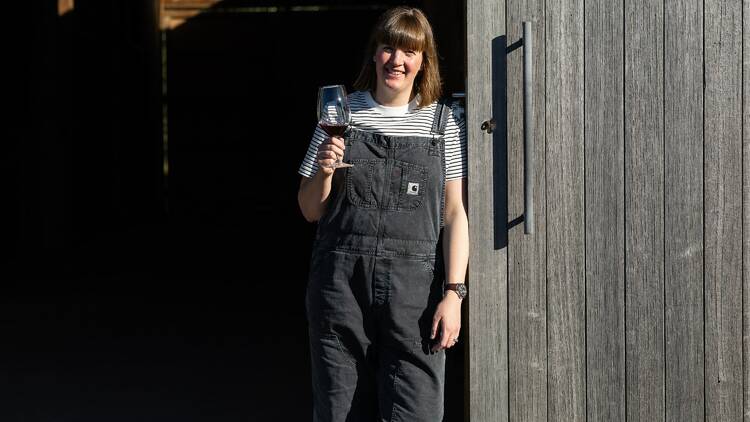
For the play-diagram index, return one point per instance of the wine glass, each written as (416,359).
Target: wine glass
(333,114)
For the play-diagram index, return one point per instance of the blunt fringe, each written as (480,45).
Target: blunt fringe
(406,28)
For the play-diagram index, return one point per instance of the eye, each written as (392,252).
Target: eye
(411,53)
(388,49)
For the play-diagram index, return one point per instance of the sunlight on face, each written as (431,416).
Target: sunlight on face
(397,69)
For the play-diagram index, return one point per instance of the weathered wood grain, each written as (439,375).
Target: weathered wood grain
(666,189)
(683,209)
(566,283)
(723,209)
(746,207)
(487,302)
(526,253)
(644,215)
(605,218)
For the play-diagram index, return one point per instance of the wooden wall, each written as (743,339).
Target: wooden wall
(629,301)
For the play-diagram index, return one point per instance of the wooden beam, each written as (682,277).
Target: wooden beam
(174,13)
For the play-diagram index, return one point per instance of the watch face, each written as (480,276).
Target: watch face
(461,290)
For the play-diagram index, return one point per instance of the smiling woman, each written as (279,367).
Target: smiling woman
(401,61)
(384,294)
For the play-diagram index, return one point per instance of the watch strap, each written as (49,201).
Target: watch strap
(459,288)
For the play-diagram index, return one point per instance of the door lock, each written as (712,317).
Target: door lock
(488,125)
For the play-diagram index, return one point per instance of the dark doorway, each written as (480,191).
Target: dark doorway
(160,258)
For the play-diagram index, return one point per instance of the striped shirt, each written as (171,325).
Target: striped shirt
(407,120)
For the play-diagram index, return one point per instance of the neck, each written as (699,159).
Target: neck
(389,98)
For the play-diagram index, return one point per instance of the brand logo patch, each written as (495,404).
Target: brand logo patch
(412,189)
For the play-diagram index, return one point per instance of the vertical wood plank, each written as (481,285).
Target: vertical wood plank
(566,283)
(683,208)
(487,303)
(644,203)
(605,211)
(526,253)
(723,206)
(746,207)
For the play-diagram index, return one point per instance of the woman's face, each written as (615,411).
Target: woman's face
(396,69)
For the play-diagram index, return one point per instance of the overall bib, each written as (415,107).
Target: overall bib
(376,280)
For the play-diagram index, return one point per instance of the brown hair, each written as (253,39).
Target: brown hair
(406,28)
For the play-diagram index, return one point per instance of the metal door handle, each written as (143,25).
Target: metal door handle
(528,139)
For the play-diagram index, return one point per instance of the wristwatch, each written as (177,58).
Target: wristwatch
(459,288)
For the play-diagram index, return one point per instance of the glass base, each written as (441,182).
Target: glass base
(341,164)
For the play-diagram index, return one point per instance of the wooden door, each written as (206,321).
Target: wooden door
(630,300)
(487,324)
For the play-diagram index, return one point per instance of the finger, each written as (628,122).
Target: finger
(337,141)
(451,336)
(445,339)
(435,324)
(440,345)
(331,147)
(325,145)
(327,155)
(456,331)
(453,340)
(326,159)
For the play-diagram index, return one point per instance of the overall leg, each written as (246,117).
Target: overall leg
(411,384)
(343,389)
(411,377)
(337,303)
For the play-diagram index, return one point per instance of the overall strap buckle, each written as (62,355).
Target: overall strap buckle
(440,119)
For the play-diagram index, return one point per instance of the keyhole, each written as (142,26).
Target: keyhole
(488,125)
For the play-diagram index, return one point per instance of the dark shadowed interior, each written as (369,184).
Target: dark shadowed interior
(156,258)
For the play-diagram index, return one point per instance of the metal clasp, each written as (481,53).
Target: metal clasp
(489,125)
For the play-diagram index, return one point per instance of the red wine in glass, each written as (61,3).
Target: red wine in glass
(333,114)
(333,129)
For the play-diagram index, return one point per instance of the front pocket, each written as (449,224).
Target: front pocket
(413,185)
(360,182)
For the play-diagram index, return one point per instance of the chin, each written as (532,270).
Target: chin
(396,85)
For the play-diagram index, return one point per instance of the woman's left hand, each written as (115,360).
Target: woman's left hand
(448,319)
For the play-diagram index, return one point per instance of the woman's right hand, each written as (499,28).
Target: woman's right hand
(328,151)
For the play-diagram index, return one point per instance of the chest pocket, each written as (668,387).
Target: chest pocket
(388,185)
(412,186)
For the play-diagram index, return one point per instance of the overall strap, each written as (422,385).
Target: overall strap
(441,116)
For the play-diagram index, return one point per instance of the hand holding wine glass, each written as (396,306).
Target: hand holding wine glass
(333,118)
(329,152)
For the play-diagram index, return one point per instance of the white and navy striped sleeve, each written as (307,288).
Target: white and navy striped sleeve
(455,144)
(309,165)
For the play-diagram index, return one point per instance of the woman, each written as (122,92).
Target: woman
(390,255)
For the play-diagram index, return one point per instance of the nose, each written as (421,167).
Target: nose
(397,58)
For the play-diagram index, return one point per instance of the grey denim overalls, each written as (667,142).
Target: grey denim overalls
(376,279)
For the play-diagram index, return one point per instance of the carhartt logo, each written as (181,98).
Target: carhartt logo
(412,189)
